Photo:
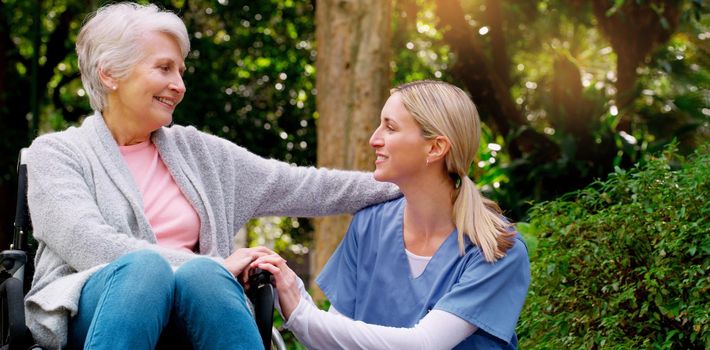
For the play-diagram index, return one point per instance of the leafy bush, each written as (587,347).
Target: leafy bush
(624,263)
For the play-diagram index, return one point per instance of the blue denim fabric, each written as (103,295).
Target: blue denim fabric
(137,302)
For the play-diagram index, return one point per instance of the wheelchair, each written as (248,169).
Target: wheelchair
(16,270)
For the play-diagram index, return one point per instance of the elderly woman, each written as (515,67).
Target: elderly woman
(439,268)
(135,220)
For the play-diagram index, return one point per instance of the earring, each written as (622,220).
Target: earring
(427,162)
(114,87)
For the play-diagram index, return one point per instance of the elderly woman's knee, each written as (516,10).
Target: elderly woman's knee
(146,264)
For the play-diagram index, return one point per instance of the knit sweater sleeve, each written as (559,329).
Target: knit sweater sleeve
(279,188)
(65,213)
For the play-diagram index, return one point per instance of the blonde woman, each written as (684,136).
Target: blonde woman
(440,268)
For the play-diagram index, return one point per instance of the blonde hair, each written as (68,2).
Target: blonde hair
(442,109)
(109,41)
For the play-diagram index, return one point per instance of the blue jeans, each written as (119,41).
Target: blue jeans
(137,302)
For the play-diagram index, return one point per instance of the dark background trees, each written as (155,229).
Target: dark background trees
(570,84)
(567,89)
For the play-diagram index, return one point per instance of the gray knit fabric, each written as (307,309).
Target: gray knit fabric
(87,210)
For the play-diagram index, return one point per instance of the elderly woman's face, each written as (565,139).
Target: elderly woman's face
(147,97)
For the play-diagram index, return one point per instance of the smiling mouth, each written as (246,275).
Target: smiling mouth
(166,101)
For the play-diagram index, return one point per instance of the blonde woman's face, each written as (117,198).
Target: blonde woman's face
(400,148)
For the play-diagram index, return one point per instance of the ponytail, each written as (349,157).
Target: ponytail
(480,219)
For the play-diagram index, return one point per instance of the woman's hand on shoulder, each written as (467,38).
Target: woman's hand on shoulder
(285,279)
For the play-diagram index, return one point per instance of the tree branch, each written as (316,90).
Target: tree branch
(7,45)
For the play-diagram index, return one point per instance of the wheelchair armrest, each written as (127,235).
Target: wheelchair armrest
(261,294)
(11,294)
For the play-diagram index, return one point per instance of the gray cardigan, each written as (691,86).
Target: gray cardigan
(87,211)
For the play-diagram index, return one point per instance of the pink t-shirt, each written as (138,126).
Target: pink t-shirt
(173,219)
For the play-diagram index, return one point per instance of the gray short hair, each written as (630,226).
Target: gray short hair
(108,41)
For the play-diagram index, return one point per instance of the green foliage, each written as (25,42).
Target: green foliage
(676,92)
(418,51)
(623,264)
(288,236)
(251,75)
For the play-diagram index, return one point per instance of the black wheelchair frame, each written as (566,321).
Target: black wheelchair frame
(17,268)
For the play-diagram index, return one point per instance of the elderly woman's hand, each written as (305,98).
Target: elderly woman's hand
(285,279)
(241,258)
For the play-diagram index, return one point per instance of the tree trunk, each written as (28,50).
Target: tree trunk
(352,81)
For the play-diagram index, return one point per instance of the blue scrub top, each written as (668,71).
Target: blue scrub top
(368,278)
